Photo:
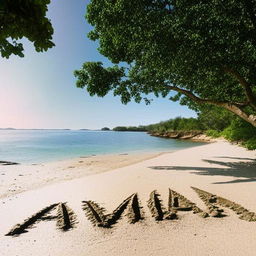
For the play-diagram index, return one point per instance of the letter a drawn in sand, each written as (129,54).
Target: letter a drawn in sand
(65,219)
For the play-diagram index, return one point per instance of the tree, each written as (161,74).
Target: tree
(24,18)
(205,51)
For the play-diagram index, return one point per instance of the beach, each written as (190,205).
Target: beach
(124,185)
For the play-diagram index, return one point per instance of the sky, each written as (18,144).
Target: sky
(38,91)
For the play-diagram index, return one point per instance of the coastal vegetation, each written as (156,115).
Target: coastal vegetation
(237,130)
(208,118)
(194,52)
(212,121)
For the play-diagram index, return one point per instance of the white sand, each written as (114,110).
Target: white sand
(19,178)
(220,168)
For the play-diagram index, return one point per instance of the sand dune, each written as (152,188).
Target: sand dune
(131,211)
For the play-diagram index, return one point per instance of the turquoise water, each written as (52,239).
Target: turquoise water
(36,146)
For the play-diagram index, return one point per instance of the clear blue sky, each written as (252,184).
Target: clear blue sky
(38,91)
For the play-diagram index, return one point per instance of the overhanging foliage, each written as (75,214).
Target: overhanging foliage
(205,51)
(24,18)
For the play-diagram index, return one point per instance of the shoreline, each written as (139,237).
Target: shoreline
(18,178)
(195,136)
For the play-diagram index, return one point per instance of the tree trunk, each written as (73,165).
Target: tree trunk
(236,110)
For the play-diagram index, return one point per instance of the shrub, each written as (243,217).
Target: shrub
(239,130)
(250,144)
(213,133)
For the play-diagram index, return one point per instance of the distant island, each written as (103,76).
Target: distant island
(105,129)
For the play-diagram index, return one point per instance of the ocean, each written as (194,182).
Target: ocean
(38,146)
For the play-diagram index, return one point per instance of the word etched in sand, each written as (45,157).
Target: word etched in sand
(66,219)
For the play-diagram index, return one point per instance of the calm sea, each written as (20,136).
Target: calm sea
(36,146)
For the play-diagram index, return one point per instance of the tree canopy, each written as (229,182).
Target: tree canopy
(205,51)
(24,18)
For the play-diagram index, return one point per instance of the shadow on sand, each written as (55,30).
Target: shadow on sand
(244,170)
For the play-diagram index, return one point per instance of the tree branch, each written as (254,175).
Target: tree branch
(202,101)
(247,88)
(235,108)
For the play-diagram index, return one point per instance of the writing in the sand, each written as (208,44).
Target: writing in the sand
(66,219)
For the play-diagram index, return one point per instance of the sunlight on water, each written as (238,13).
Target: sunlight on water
(35,146)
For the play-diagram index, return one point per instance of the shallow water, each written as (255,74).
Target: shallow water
(35,146)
